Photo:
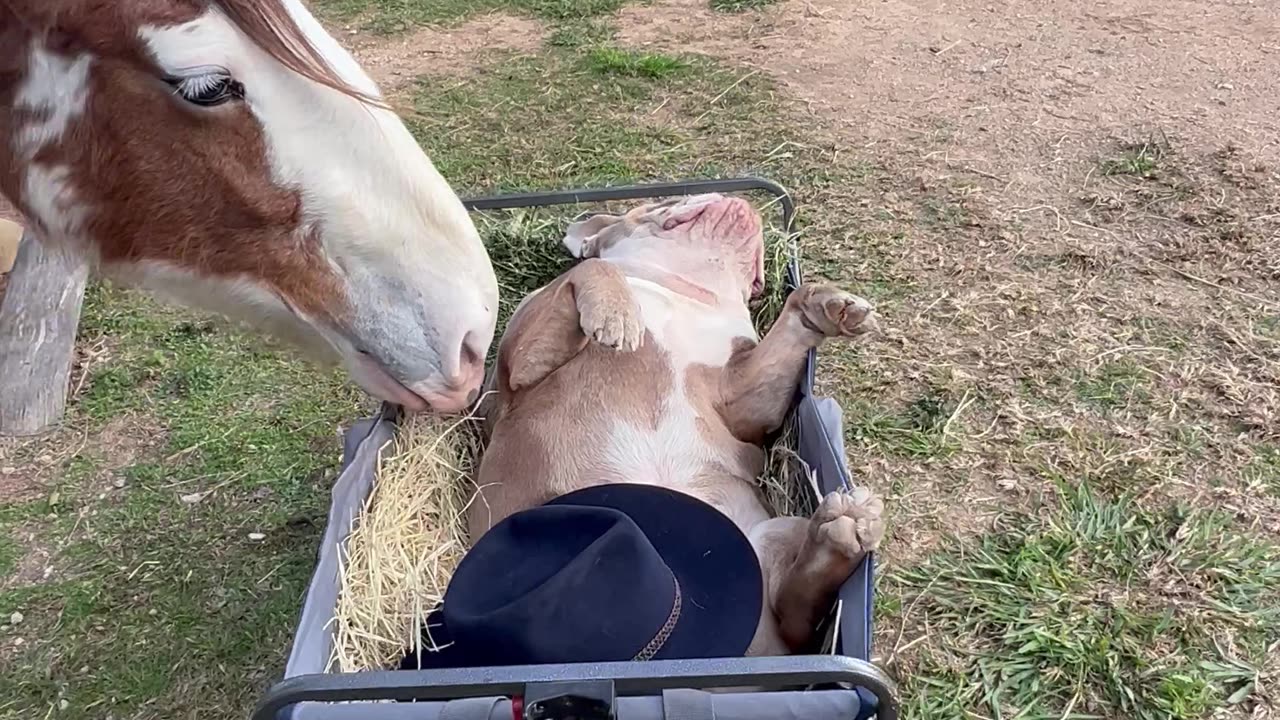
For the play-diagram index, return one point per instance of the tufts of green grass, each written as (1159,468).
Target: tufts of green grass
(614,61)
(1093,608)
(580,34)
(1138,160)
(737,6)
(1264,468)
(563,124)
(1114,385)
(921,429)
(10,551)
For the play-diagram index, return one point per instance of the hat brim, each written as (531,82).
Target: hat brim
(721,585)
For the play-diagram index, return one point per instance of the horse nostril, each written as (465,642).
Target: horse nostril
(472,351)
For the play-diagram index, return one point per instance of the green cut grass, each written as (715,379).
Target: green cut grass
(612,61)
(159,604)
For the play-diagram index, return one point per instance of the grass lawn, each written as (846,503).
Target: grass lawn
(1043,562)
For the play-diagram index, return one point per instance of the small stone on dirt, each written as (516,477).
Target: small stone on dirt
(195,497)
(63,704)
(257,536)
(16,618)
(18,641)
(118,483)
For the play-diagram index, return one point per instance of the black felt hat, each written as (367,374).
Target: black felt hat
(609,573)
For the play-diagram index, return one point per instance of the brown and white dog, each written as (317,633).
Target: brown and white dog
(641,364)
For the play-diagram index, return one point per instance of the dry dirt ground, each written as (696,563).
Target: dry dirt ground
(394,62)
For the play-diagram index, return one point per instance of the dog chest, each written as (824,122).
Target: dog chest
(691,332)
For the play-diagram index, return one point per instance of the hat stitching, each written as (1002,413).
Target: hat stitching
(664,633)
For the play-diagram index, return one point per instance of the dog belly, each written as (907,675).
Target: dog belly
(684,451)
(678,454)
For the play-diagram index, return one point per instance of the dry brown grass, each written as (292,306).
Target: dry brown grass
(405,544)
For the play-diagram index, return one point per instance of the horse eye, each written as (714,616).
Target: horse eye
(207,90)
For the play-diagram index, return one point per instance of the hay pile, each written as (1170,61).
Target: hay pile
(405,543)
(787,485)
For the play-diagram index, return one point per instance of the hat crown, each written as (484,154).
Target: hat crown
(590,587)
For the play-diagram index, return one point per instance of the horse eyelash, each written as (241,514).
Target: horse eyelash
(196,83)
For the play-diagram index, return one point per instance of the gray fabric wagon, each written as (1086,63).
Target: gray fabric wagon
(838,685)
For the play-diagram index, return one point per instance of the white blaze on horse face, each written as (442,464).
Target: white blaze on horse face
(53,94)
(54,90)
(422,289)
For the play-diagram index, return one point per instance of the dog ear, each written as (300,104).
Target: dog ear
(583,238)
(543,334)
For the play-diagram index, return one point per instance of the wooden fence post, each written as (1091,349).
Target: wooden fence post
(39,315)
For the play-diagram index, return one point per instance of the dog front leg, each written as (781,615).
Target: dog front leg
(590,303)
(760,382)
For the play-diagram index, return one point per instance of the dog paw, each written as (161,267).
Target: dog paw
(836,313)
(616,326)
(849,523)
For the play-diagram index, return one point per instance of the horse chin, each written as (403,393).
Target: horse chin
(370,375)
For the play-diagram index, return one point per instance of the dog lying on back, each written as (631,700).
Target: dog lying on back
(641,364)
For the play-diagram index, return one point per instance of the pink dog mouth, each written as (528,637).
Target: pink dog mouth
(734,220)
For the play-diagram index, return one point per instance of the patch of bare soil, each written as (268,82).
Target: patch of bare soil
(1070,212)
(393,62)
(1001,78)
(30,468)
(36,564)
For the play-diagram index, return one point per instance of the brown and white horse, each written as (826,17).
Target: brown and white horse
(229,154)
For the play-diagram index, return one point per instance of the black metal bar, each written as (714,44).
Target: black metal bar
(629,678)
(636,192)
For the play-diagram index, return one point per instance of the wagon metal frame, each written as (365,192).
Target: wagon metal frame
(839,686)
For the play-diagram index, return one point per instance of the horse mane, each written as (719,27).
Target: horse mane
(270,26)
